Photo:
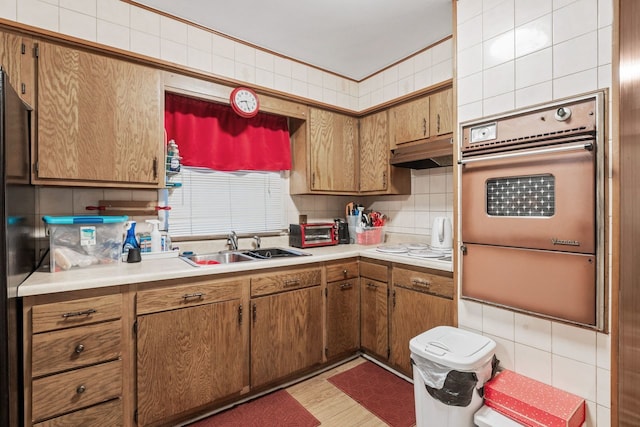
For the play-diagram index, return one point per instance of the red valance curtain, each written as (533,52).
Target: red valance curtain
(213,136)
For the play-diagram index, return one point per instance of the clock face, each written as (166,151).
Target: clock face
(244,102)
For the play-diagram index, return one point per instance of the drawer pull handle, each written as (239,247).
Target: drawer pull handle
(345,272)
(290,283)
(345,286)
(193,295)
(79,348)
(81,389)
(419,282)
(372,285)
(80,313)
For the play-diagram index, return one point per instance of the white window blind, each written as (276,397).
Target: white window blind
(211,202)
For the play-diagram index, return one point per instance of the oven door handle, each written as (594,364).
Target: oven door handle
(586,146)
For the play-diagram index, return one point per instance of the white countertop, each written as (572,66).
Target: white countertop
(149,270)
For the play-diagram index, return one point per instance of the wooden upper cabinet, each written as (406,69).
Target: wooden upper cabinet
(17,59)
(374,152)
(333,156)
(99,120)
(410,121)
(441,113)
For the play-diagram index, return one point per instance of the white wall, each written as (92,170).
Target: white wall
(511,54)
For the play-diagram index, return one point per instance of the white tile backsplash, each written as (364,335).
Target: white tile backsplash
(533,363)
(499,79)
(86,7)
(575,55)
(577,344)
(497,18)
(527,10)
(78,25)
(576,19)
(498,322)
(113,35)
(534,68)
(533,332)
(533,36)
(574,376)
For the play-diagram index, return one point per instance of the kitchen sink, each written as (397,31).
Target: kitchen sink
(268,253)
(205,260)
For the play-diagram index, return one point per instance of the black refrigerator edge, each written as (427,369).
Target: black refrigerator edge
(17,238)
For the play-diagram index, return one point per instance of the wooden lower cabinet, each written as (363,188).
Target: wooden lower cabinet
(74,370)
(286,334)
(286,325)
(421,299)
(343,318)
(374,309)
(187,358)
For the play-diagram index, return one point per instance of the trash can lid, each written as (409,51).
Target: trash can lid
(456,348)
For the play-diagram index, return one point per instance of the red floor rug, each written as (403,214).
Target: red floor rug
(381,392)
(277,409)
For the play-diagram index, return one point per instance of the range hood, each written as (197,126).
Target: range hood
(424,155)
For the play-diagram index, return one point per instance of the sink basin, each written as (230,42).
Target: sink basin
(268,253)
(206,260)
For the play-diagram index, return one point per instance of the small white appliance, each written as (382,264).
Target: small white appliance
(441,233)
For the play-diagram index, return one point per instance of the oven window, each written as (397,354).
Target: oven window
(528,195)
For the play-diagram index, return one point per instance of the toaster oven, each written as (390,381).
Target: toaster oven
(313,235)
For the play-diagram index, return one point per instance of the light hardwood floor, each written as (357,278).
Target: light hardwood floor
(329,404)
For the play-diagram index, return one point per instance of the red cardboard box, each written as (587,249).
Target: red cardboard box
(532,402)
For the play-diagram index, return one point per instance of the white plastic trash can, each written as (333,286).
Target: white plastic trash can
(449,365)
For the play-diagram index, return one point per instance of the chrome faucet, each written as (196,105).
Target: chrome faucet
(258,241)
(232,240)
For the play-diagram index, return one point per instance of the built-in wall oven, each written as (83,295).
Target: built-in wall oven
(532,210)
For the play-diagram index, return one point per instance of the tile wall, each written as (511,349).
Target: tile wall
(128,27)
(510,54)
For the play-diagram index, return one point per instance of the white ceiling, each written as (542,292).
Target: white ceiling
(352,38)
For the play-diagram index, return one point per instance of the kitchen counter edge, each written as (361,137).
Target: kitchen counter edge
(40,283)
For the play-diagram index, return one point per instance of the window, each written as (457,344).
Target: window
(212,203)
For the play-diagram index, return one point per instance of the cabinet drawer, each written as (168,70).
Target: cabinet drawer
(67,314)
(169,298)
(342,271)
(296,279)
(423,281)
(73,348)
(106,414)
(77,389)
(374,271)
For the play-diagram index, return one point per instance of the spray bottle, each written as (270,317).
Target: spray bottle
(130,241)
(156,243)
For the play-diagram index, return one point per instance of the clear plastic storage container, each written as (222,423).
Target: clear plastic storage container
(84,241)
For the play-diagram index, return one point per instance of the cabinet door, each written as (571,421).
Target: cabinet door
(188,358)
(410,121)
(441,112)
(343,317)
(17,59)
(333,151)
(374,152)
(374,317)
(412,313)
(99,119)
(286,334)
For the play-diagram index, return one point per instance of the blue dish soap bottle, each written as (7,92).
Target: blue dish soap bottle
(130,241)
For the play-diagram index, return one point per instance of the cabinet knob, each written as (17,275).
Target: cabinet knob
(345,272)
(79,348)
(81,389)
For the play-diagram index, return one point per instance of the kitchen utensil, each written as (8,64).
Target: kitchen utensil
(441,233)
